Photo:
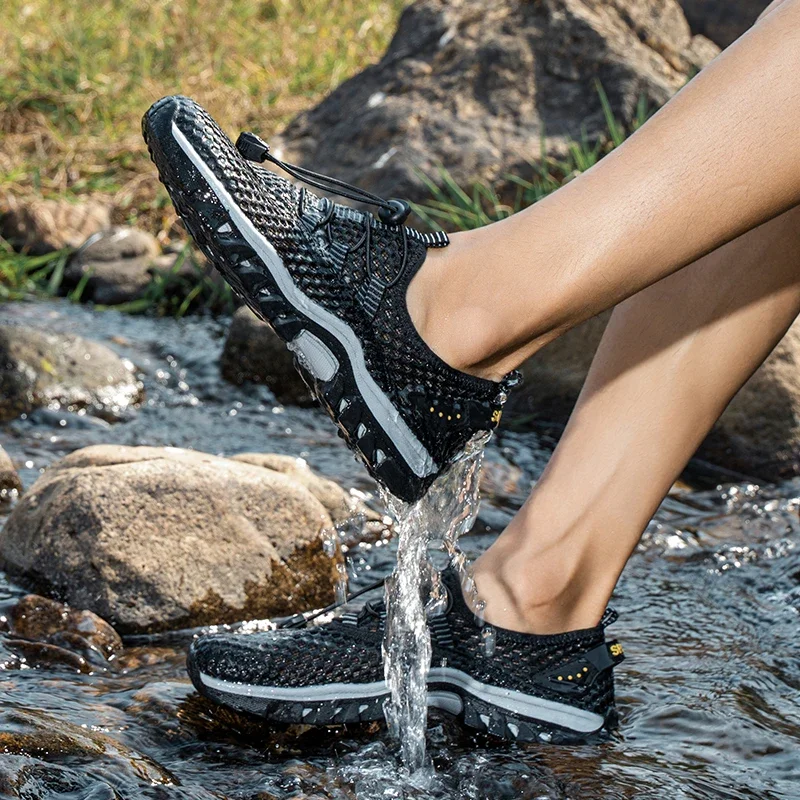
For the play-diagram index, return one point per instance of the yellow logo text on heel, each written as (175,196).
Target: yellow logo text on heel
(496,416)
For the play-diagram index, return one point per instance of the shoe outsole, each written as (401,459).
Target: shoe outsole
(338,394)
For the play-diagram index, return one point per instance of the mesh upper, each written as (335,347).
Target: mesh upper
(334,256)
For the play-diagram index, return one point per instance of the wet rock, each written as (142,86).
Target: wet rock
(40,735)
(41,655)
(10,484)
(39,368)
(476,87)
(341,505)
(41,619)
(117,263)
(502,482)
(722,21)
(41,226)
(254,353)
(161,538)
(758,435)
(133,658)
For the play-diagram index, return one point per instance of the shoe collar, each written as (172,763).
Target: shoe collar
(457,604)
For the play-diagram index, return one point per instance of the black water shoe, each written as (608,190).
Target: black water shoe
(331,281)
(556,688)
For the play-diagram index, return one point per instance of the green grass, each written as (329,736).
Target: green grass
(76,76)
(22,275)
(174,292)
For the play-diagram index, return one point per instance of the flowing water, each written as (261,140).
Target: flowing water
(446,512)
(709,697)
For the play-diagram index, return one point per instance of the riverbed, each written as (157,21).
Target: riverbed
(709,696)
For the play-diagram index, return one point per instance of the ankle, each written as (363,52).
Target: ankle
(448,319)
(554,590)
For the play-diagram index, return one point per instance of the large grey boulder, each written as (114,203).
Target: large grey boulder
(337,502)
(254,353)
(38,368)
(722,21)
(479,86)
(160,538)
(758,435)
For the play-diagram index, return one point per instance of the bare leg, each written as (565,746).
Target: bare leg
(722,157)
(670,361)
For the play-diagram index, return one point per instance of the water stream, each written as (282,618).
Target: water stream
(446,512)
(709,697)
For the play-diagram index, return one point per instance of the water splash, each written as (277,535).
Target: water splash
(436,521)
(332,547)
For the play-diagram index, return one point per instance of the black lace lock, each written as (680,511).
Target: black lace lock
(252,147)
(395,212)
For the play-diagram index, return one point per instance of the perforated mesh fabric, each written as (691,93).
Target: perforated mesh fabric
(333,252)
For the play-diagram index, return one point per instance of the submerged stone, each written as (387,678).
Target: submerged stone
(38,368)
(41,619)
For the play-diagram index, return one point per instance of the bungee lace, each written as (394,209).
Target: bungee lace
(391,212)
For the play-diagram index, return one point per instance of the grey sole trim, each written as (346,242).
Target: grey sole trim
(408,445)
(548,711)
(328,692)
(314,355)
(525,705)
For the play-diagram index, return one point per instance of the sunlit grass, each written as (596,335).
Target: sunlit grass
(76,76)
(187,286)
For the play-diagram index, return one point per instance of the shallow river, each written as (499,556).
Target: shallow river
(709,697)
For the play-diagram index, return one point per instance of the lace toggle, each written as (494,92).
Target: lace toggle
(390,212)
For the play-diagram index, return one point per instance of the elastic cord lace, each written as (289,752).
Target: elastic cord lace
(301,620)
(392,212)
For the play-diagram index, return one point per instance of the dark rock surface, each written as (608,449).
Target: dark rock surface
(475,86)
(254,353)
(40,369)
(722,21)
(160,538)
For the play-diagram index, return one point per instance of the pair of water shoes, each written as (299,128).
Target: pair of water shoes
(331,280)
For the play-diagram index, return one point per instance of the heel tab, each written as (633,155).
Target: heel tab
(609,618)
